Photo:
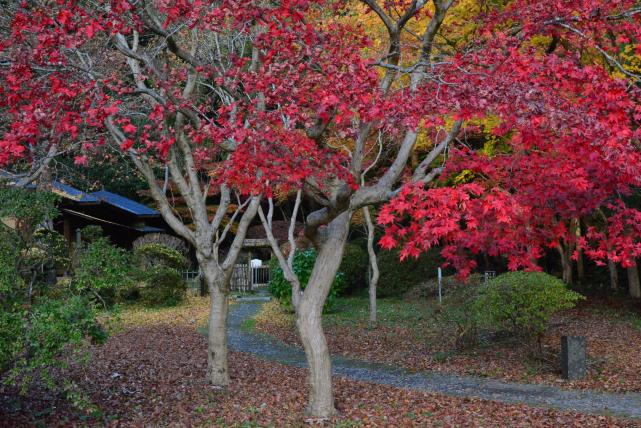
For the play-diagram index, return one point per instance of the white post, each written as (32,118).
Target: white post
(440,280)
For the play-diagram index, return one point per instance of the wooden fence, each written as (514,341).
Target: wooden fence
(243,279)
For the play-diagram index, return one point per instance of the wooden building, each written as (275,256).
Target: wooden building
(122,220)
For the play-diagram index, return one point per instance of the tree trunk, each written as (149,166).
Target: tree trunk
(321,396)
(566,264)
(580,266)
(217,369)
(309,316)
(373,262)
(633,282)
(614,275)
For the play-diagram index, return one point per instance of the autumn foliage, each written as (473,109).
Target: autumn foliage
(497,127)
(568,128)
(552,75)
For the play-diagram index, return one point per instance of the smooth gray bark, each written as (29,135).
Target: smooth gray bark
(217,368)
(373,263)
(309,316)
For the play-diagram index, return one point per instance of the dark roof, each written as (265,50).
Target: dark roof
(126,204)
(61,189)
(72,193)
(143,229)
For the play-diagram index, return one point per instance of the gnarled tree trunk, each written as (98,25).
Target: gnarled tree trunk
(330,248)
(217,369)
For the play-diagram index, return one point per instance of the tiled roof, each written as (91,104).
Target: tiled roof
(126,204)
(72,193)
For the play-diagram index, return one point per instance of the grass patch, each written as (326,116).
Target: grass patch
(353,311)
(248,325)
(391,312)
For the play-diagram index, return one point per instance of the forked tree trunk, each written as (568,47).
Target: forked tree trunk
(633,282)
(309,317)
(217,369)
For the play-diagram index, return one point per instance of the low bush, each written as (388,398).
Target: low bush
(516,303)
(523,302)
(161,283)
(103,271)
(153,254)
(398,277)
(281,289)
(162,286)
(163,239)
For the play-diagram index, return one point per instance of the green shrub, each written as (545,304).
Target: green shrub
(30,344)
(397,277)
(161,283)
(103,271)
(523,302)
(281,289)
(162,286)
(55,246)
(40,322)
(354,266)
(91,233)
(153,254)
(163,239)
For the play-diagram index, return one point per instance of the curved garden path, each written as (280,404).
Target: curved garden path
(625,405)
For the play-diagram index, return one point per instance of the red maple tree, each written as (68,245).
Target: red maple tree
(249,97)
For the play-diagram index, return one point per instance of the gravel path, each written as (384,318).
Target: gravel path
(626,405)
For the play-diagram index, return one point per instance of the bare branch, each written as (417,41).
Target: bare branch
(285,264)
(421,170)
(613,61)
(241,232)
(156,192)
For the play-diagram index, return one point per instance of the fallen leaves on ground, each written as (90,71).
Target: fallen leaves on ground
(614,345)
(153,375)
(193,311)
